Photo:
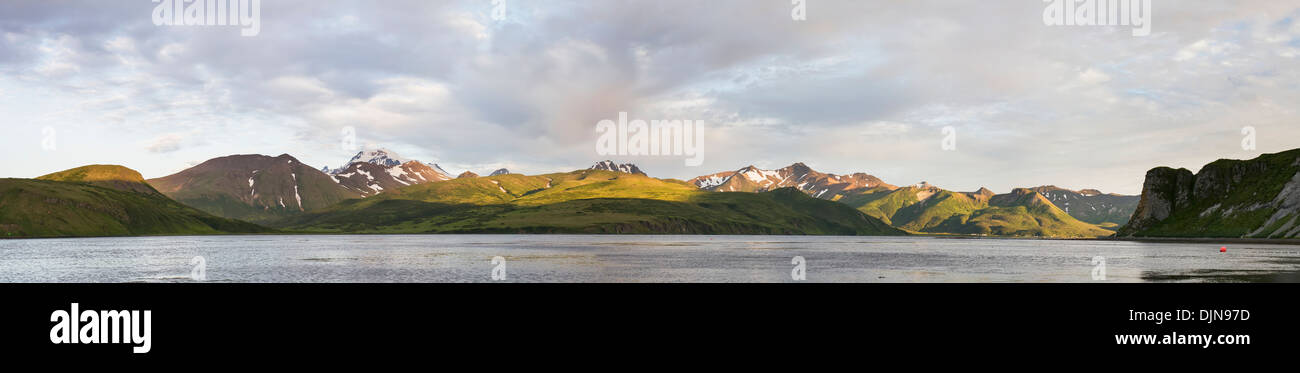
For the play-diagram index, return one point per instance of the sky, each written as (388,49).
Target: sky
(855,86)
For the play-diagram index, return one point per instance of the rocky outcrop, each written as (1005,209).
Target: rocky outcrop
(1257,198)
(1164,190)
(626,168)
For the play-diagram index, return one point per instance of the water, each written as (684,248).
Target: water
(576,258)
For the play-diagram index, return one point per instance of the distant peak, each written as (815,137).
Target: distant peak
(800,168)
(378,156)
(923,185)
(438,169)
(1052,188)
(1090,192)
(466,175)
(626,168)
(500,172)
(1023,191)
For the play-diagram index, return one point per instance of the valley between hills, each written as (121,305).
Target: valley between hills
(378,192)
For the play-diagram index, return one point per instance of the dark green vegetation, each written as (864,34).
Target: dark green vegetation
(1257,198)
(1021,213)
(100,201)
(589,201)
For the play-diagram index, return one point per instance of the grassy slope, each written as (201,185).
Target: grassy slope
(1257,188)
(957,213)
(44,208)
(586,202)
(108,176)
(1044,220)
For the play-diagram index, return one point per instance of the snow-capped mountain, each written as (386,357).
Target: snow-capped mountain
(798,175)
(500,172)
(381,156)
(626,168)
(370,179)
(373,171)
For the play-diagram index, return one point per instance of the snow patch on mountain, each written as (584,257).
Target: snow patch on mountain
(798,175)
(503,190)
(296,195)
(626,168)
(381,156)
(713,181)
(398,173)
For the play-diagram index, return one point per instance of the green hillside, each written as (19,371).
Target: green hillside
(100,201)
(108,176)
(588,201)
(934,210)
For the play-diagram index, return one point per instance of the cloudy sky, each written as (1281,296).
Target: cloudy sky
(859,86)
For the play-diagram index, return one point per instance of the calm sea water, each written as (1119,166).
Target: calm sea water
(576,258)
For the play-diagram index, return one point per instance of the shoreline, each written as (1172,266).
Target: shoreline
(1226,240)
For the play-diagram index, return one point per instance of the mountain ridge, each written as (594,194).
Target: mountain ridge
(797,175)
(626,168)
(921,207)
(586,201)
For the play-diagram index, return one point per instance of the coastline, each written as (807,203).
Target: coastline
(1199,240)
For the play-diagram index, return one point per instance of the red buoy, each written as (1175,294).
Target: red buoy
(1223,249)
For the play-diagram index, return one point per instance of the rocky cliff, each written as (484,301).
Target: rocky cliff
(1258,198)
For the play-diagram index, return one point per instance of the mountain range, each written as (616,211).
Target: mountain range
(925,208)
(585,201)
(379,192)
(798,176)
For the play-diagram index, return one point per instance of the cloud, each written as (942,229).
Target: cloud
(859,86)
(165,144)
